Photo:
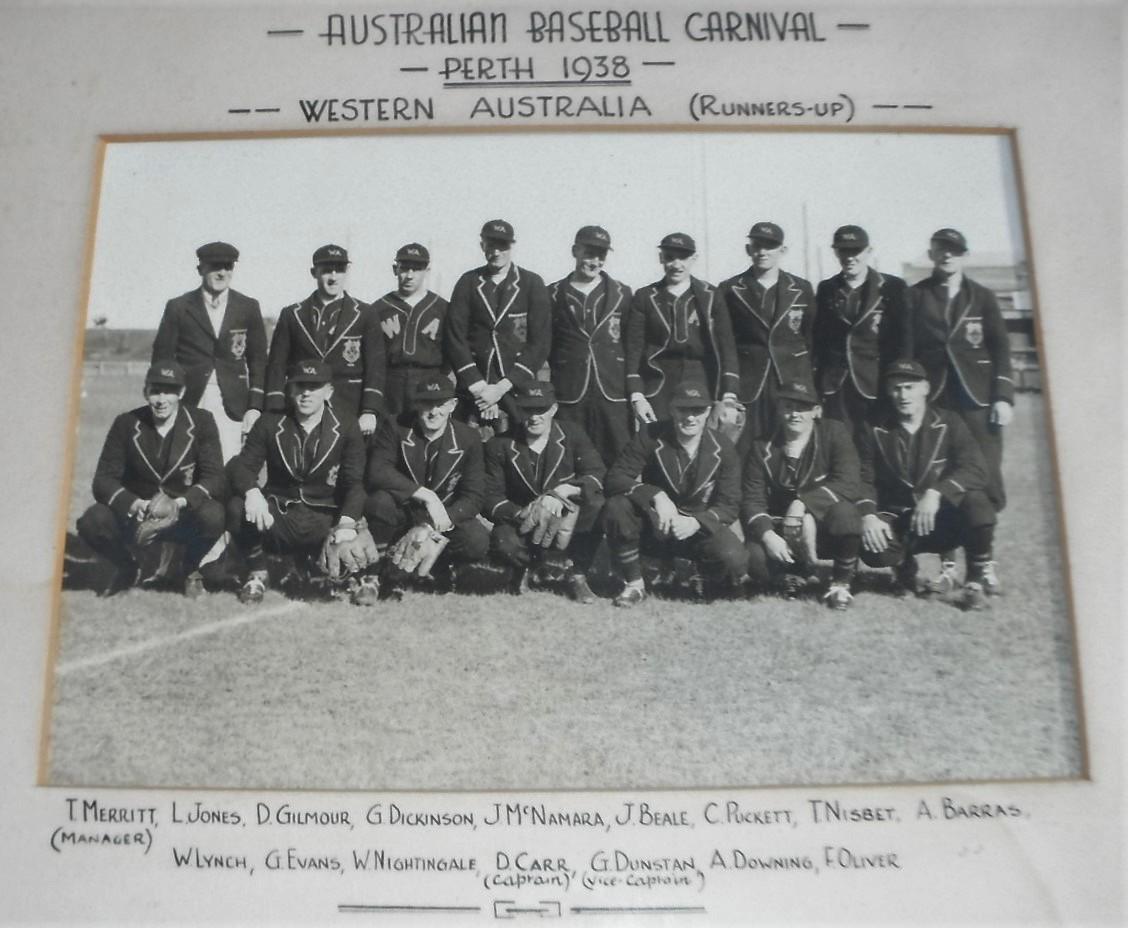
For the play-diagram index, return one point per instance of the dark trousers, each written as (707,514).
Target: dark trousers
(607,423)
(989,437)
(970,526)
(387,521)
(111,535)
(511,547)
(630,533)
(297,529)
(848,406)
(838,536)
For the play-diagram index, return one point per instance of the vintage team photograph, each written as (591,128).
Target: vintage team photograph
(585,460)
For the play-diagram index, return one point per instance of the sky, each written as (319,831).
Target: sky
(278,199)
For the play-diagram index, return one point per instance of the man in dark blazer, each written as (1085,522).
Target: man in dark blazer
(798,498)
(673,493)
(412,319)
(961,339)
(314,458)
(216,334)
(589,309)
(543,464)
(164,447)
(923,488)
(425,468)
(499,325)
(676,332)
(771,314)
(861,327)
(334,327)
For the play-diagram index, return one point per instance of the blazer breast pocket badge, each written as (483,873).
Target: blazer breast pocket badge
(238,343)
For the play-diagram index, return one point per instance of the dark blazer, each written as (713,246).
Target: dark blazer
(949,461)
(129,466)
(581,355)
(860,349)
(413,334)
(649,332)
(967,339)
(511,480)
(397,463)
(237,352)
(709,490)
(511,340)
(774,340)
(334,481)
(827,474)
(355,352)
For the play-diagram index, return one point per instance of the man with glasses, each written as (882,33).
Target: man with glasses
(861,327)
(771,314)
(498,328)
(673,493)
(216,334)
(334,327)
(586,357)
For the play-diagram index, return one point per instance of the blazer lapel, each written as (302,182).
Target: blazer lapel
(144,435)
(555,451)
(182,438)
(612,299)
(961,306)
(934,435)
(330,434)
(280,433)
(751,301)
(657,304)
(708,460)
(450,454)
(667,457)
(409,452)
(481,288)
(871,296)
(197,311)
(349,314)
(886,441)
(303,315)
(521,464)
(510,288)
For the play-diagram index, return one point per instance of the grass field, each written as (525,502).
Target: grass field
(493,692)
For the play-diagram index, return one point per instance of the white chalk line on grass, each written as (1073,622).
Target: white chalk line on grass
(209,628)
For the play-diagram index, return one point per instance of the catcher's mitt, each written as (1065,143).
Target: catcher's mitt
(727,417)
(161,515)
(548,528)
(417,550)
(348,557)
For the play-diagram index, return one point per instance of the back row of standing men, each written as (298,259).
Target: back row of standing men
(613,357)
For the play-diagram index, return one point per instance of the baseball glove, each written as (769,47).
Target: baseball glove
(348,557)
(161,515)
(417,550)
(727,417)
(548,527)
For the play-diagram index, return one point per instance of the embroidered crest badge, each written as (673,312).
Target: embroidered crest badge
(521,326)
(613,327)
(795,320)
(331,477)
(351,352)
(973,332)
(189,471)
(238,343)
(875,324)
(706,491)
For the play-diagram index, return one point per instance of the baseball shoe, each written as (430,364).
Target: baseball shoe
(253,590)
(122,579)
(838,597)
(990,579)
(905,577)
(366,592)
(945,582)
(793,586)
(974,599)
(579,590)
(630,596)
(194,585)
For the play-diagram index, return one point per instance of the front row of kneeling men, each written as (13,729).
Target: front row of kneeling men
(408,501)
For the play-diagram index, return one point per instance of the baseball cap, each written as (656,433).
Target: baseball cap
(767,231)
(217,251)
(906,369)
(315,371)
(850,237)
(330,254)
(535,394)
(166,373)
(595,236)
(800,391)
(413,255)
(950,237)
(690,394)
(678,241)
(432,390)
(499,230)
